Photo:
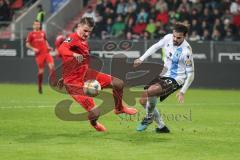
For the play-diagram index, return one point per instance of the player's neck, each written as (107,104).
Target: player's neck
(179,44)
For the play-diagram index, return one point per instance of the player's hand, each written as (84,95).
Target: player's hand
(180,97)
(137,62)
(50,48)
(78,57)
(35,50)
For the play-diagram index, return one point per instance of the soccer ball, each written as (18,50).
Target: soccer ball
(91,88)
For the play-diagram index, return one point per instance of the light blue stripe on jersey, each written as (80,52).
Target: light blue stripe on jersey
(174,67)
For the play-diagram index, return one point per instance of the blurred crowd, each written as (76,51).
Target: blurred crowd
(151,19)
(9,7)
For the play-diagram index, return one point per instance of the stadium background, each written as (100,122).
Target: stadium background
(29,127)
(215,53)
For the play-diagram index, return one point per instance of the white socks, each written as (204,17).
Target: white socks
(152,111)
(150,105)
(158,118)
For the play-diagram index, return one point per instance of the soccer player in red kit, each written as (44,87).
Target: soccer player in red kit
(36,41)
(75,56)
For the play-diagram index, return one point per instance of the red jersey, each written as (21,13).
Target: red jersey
(72,68)
(75,74)
(74,43)
(37,39)
(59,40)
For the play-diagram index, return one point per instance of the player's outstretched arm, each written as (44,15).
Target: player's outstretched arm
(189,63)
(188,82)
(149,52)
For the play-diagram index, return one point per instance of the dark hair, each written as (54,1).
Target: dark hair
(39,6)
(181,27)
(88,21)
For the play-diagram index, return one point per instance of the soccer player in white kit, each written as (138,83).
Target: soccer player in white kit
(179,75)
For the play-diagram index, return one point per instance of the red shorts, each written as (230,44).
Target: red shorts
(75,87)
(41,59)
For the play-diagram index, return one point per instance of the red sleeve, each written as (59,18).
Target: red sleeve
(64,49)
(59,40)
(29,37)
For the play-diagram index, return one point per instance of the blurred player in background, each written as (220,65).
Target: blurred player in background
(40,15)
(180,73)
(37,42)
(75,56)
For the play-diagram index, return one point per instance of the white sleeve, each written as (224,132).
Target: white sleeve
(153,49)
(188,60)
(188,82)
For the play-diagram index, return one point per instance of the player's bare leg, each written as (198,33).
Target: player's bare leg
(149,101)
(117,86)
(40,79)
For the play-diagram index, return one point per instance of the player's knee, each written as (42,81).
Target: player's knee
(154,90)
(40,71)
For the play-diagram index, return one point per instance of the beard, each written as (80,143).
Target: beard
(175,43)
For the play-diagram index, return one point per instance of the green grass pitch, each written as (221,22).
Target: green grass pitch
(206,127)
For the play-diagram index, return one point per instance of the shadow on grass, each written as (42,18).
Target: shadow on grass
(84,136)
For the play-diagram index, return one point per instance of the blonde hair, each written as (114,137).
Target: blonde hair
(88,21)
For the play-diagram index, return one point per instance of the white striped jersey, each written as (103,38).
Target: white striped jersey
(177,59)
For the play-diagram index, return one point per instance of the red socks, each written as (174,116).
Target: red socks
(40,79)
